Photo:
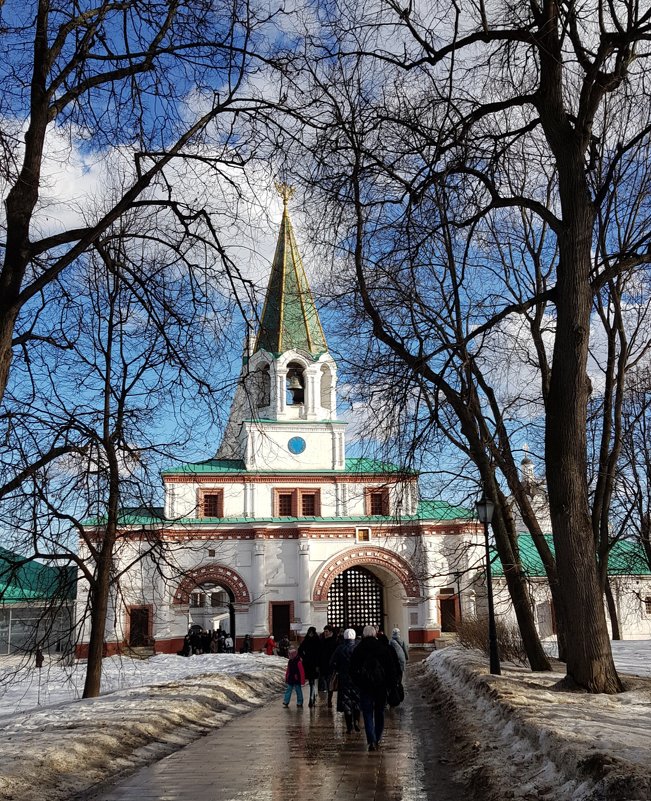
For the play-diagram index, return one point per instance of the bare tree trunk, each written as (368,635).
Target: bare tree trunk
(612,612)
(98,598)
(506,547)
(591,664)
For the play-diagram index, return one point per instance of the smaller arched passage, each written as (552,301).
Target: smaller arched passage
(215,574)
(380,557)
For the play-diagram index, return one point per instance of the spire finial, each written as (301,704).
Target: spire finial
(286,192)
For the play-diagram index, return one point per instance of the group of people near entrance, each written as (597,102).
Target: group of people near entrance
(201,641)
(366,673)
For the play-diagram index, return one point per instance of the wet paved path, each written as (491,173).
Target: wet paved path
(277,754)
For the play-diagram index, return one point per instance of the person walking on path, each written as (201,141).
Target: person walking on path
(347,693)
(399,647)
(373,670)
(327,645)
(283,646)
(308,650)
(295,678)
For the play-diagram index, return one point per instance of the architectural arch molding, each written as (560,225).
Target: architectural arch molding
(220,574)
(365,556)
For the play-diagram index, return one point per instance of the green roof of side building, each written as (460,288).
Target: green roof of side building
(626,558)
(360,466)
(22,581)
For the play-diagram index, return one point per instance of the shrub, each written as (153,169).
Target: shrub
(472,632)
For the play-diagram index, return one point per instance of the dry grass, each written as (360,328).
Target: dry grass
(472,632)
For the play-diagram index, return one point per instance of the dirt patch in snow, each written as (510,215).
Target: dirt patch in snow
(518,739)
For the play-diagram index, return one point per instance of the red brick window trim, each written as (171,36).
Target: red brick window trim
(377,501)
(310,503)
(297,503)
(211,503)
(285,503)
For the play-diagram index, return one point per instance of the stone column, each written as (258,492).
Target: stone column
(304,607)
(310,391)
(258,589)
(431,603)
(281,378)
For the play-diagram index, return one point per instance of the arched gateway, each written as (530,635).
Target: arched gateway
(214,573)
(386,560)
(366,586)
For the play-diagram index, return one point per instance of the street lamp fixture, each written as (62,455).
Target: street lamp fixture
(485,508)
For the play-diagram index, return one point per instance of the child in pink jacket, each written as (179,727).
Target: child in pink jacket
(295,678)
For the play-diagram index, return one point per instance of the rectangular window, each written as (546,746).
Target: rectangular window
(297,503)
(285,504)
(647,604)
(211,504)
(377,502)
(308,504)
(363,534)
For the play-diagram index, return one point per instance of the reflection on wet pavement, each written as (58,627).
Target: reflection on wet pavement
(277,754)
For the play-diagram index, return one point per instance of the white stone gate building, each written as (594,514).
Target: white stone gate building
(281,530)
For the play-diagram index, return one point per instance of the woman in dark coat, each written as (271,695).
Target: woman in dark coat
(347,694)
(373,670)
(308,650)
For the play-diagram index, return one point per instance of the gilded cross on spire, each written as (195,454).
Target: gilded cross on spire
(286,191)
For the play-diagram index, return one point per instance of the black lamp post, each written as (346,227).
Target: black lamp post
(485,509)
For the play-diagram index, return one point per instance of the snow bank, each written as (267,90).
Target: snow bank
(528,741)
(61,749)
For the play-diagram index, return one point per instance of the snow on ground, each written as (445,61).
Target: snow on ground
(522,738)
(530,742)
(55,745)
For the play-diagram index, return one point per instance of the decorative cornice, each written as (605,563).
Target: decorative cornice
(251,531)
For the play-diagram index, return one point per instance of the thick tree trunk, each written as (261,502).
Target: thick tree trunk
(589,659)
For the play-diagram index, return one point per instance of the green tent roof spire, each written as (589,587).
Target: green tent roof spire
(290,320)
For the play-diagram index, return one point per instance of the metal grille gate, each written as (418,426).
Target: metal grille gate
(355,600)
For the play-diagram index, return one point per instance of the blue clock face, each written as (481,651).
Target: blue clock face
(296,445)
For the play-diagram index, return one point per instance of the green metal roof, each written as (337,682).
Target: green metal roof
(442,510)
(133,516)
(24,581)
(290,320)
(626,558)
(359,466)
(427,510)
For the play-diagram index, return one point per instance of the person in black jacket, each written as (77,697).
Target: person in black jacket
(373,670)
(327,645)
(308,650)
(347,693)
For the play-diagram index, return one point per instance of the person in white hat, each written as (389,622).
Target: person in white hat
(347,693)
